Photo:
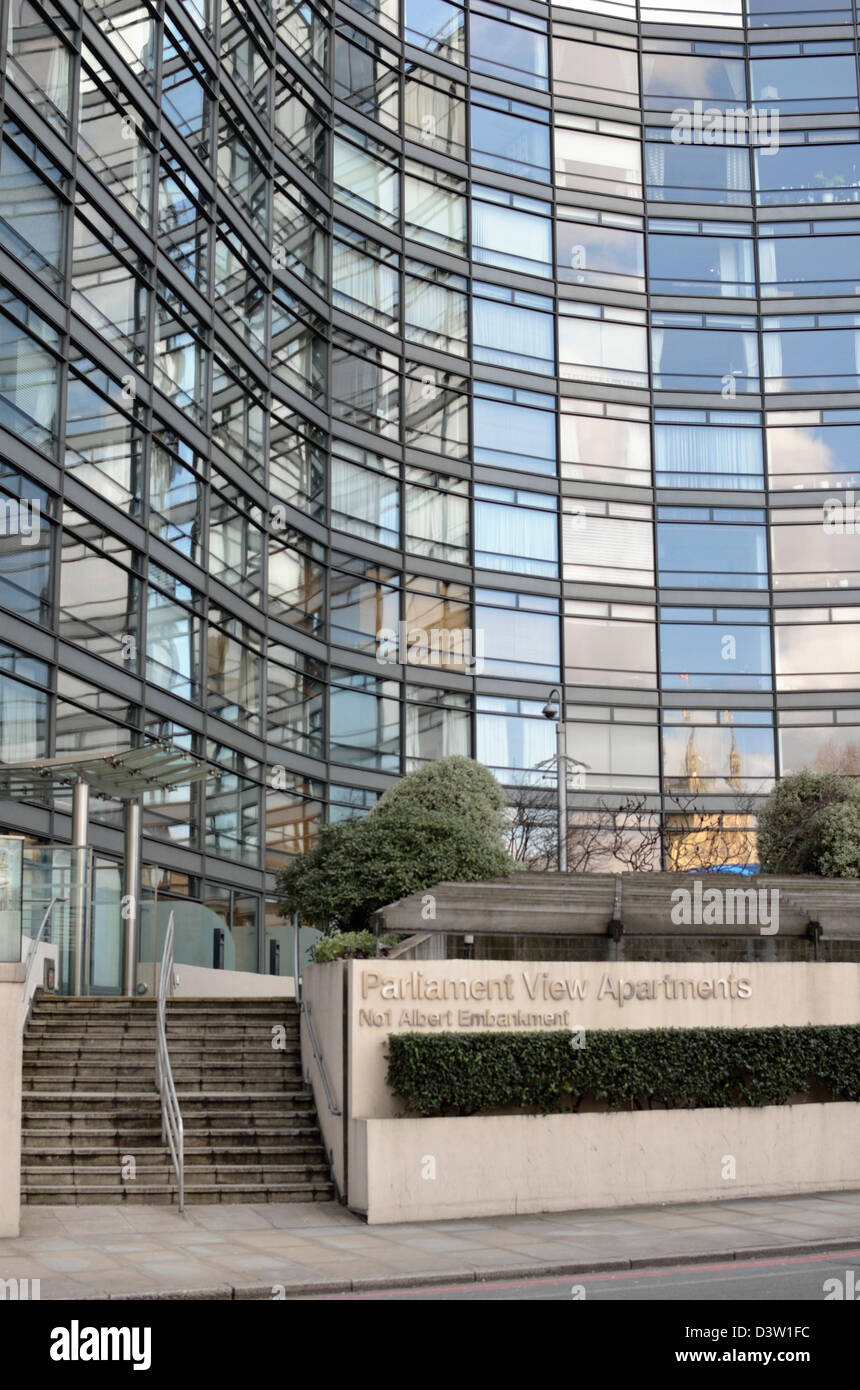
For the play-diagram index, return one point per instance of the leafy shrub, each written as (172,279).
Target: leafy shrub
(839,829)
(344,945)
(453,786)
(682,1068)
(796,833)
(441,823)
(353,945)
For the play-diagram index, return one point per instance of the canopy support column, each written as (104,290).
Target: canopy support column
(79,894)
(131,895)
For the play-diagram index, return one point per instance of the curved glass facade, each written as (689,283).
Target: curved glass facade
(369,370)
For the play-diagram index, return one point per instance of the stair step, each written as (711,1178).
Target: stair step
(108,1175)
(193,1080)
(118,1135)
(181,1054)
(89,1103)
(137,1096)
(56,1157)
(296,1122)
(210,1194)
(136,1062)
(110,1012)
(197,1111)
(199,1038)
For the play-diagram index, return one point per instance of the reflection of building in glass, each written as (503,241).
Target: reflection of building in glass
(325,321)
(702,840)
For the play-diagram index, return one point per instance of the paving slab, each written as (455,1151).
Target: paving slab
(258,1250)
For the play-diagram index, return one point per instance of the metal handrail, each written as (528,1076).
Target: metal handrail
(34,948)
(318,1058)
(411,943)
(306,1015)
(172,1129)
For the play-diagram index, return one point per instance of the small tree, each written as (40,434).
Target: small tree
(455,785)
(794,831)
(839,829)
(441,823)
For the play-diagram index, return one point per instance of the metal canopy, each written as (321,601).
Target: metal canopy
(125,773)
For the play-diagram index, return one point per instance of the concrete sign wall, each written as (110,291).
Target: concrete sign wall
(398,1169)
(477,996)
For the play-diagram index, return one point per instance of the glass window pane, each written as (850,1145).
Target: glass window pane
(510,143)
(597,350)
(600,256)
(436,26)
(693,359)
(597,449)
(813,83)
(26,549)
(692,455)
(434,112)
(40,62)
(497,325)
(724,760)
(434,208)
(29,380)
(719,656)
(504,49)
(515,536)
(595,72)
(365,181)
(703,555)
(508,435)
(610,652)
(365,722)
(680,173)
(518,642)
(33,214)
(670,79)
(364,501)
(598,163)
(508,237)
(813,656)
(813,173)
(701,265)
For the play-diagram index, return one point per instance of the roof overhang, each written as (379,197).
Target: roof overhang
(125,773)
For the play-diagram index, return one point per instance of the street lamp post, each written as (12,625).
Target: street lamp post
(550,710)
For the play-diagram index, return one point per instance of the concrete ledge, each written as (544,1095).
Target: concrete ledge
(506,1165)
(201,982)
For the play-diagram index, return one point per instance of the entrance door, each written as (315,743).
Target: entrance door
(106,929)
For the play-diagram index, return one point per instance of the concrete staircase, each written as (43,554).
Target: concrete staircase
(92,1118)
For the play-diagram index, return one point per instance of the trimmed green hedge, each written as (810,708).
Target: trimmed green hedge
(678,1068)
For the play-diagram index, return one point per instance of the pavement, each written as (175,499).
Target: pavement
(274,1250)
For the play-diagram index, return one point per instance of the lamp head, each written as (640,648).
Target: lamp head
(550,709)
